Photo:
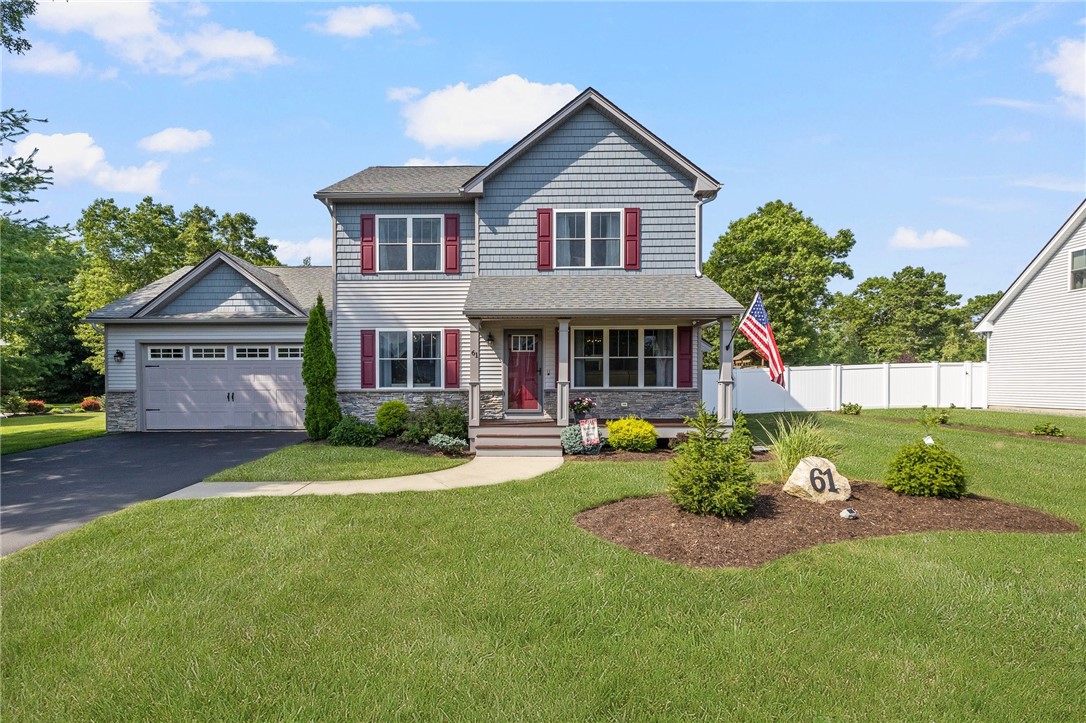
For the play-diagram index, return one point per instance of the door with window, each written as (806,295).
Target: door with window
(525,371)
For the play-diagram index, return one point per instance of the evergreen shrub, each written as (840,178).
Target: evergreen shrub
(436,418)
(353,432)
(927,470)
(392,417)
(709,474)
(322,412)
(573,444)
(631,433)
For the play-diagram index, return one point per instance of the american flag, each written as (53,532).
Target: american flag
(755,326)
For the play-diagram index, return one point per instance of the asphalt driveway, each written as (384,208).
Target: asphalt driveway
(47,491)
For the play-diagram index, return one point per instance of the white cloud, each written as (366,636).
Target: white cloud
(908,238)
(401,95)
(75,157)
(360,21)
(1067,65)
(505,109)
(1050,182)
(428,161)
(176,140)
(1014,103)
(291,253)
(137,33)
(47,59)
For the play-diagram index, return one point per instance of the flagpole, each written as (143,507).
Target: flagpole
(736,327)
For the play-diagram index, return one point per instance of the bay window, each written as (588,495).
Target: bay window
(409,243)
(409,359)
(588,239)
(624,357)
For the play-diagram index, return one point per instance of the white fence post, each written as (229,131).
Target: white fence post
(886,384)
(935,384)
(969,385)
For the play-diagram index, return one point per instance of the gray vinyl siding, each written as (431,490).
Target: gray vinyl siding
(384,304)
(588,162)
(348,259)
(126,337)
(1037,351)
(223,292)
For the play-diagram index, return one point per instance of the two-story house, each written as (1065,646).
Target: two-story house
(569,266)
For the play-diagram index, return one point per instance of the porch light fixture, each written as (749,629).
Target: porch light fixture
(490,338)
(118,356)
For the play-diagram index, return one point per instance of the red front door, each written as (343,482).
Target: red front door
(524,371)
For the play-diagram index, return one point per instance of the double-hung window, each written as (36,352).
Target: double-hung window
(409,359)
(588,239)
(1078,269)
(624,357)
(409,243)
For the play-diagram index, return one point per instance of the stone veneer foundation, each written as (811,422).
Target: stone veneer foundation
(122,413)
(364,404)
(645,403)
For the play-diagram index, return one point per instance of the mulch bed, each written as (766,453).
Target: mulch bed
(660,454)
(989,430)
(781,524)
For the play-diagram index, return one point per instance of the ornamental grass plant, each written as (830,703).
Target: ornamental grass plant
(796,438)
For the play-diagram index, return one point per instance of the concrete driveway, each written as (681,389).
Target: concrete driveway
(47,491)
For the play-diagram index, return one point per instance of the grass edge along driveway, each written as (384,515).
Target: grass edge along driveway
(24,433)
(488,603)
(309,462)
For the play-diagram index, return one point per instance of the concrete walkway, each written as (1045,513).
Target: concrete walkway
(478,472)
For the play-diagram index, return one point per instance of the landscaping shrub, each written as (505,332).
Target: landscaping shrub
(740,434)
(392,417)
(35,406)
(930,418)
(631,433)
(926,470)
(436,418)
(711,475)
(573,444)
(1048,430)
(796,439)
(13,404)
(91,404)
(447,444)
(322,411)
(851,408)
(353,432)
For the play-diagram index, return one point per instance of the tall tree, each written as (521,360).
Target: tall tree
(790,259)
(13,14)
(961,343)
(322,411)
(127,248)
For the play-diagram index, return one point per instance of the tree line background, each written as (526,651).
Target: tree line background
(52,277)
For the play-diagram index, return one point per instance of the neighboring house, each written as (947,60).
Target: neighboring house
(569,265)
(750,358)
(212,346)
(1037,330)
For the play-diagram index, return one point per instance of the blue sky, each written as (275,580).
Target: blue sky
(944,135)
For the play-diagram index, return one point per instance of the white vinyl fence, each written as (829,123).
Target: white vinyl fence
(872,386)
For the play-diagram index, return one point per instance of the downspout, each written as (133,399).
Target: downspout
(697,236)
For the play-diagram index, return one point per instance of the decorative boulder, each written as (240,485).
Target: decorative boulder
(817,479)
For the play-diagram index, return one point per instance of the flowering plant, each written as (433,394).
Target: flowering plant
(580,405)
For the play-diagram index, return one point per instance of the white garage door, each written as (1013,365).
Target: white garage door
(223,386)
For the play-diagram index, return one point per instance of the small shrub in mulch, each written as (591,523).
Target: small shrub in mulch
(35,406)
(91,404)
(1041,430)
(927,470)
(632,434)
(780,524)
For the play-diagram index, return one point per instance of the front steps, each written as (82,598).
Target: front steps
(516,439)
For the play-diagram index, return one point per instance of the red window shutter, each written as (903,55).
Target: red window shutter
(544,220)
(368,243)
(684,374)
(633,239)
(452,358)
(369,359)
(452,243)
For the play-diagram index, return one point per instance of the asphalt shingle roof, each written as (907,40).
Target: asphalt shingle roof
(578,295)
(404,180)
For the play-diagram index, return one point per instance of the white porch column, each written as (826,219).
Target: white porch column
(562,373)
(725,386)
(474,401)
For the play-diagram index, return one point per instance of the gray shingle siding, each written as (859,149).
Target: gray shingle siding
(223,291)
(589,162)
(348,262)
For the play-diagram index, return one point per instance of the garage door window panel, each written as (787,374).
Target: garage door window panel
(207,352)
(288,352)
(158,353)
(252,352)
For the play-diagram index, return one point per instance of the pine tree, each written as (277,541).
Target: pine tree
(322,411)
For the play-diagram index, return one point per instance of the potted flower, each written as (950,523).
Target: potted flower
(580,407)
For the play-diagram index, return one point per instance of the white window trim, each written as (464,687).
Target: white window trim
(252,358)
(640,356)
(168,358)
(588,239)
(209,347)
(410,244)
(1071,270)
(411,358)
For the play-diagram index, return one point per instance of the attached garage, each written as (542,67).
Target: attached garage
(217,346)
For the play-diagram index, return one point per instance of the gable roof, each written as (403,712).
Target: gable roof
(416,181)
(463,182)
(295,288)
(1076,219)
(704,184)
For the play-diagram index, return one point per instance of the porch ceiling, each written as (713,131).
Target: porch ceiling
(579,295)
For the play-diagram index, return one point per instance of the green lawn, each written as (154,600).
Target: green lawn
(19,434)
(1017,421)
(320,462)
(489,604)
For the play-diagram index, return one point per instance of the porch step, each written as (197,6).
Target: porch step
(523,450)
(516,440)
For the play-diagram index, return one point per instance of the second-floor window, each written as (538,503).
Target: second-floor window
(1078,269)
(409,243)
(588,238)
